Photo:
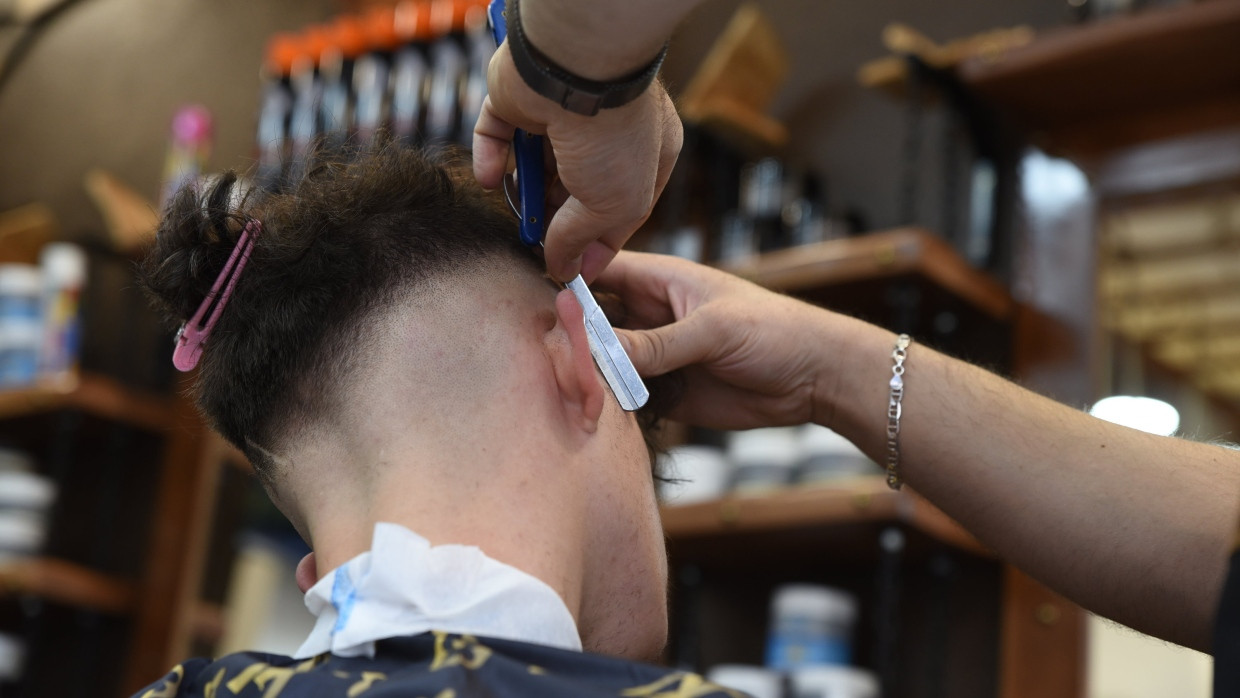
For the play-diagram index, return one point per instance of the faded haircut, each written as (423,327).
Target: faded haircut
(360,232)
(357,234)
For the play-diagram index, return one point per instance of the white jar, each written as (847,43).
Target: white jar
(754,681)
(694,473)
(764,458)
(810,625)
(827,456)
(834,682)
(26,490)
(22,533)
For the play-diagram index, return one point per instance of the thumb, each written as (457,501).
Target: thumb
(665,349)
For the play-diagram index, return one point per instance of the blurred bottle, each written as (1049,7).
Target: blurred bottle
(306,120)
(64,276)
(805,217)
(737,241)
(410,67)
(480,46)
(345,42)
(448,69)
(371,72)
(762,194)
(276,104)
(188,150)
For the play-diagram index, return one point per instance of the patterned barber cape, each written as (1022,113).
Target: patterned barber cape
(1226,649)
(433,665)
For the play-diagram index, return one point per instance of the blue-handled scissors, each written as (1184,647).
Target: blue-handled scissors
(605,347)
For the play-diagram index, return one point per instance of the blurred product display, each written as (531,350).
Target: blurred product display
(21,323)
(760,461)
(40,322)
(416,69)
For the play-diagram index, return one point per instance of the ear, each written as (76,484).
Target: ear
(581,390)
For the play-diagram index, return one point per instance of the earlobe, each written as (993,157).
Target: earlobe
(579,384)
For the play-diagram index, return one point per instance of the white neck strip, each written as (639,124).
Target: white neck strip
(404,586)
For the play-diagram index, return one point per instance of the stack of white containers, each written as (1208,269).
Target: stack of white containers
(25,502)
(760,461)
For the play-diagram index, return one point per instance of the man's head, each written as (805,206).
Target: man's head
(393,353)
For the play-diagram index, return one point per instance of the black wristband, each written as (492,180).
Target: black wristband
(573,92)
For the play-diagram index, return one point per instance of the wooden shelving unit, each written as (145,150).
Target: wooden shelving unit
(879,256)
(93,422)
(1083,91)
(865,500)
(737,549)
(96,395)
(65,583)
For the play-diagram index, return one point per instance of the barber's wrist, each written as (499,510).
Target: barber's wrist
(585,45)
(853,377)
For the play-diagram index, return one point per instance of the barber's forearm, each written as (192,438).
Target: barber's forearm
(1133,526)
(602,40)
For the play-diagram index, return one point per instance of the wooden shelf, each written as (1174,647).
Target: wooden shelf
(1095,88)
(66,583)
(96,395)
(865,500)
(881,255)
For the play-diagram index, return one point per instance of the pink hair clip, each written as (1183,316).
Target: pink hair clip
(194,333)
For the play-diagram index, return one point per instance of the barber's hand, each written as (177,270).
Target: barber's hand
(613,165)
(751,358)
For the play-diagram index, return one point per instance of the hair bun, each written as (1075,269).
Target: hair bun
(196,236)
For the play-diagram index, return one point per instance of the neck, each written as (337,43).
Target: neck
(518,505)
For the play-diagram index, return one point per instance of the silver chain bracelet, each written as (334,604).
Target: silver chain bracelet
(894,401)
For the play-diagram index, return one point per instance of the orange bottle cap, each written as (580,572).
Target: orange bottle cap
(348,35)
(413,20)
(283,51)
(380,27)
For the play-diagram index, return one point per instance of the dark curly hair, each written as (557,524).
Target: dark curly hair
(358,233)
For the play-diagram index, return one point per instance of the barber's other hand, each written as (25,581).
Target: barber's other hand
(751,358)
(613,165)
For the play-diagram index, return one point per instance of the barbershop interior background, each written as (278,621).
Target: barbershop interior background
(1049,188)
